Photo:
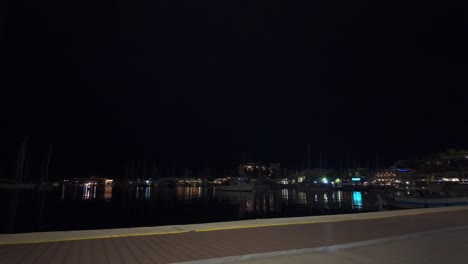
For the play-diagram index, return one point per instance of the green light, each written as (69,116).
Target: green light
(337,180)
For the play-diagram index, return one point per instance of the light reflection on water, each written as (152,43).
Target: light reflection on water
(89,192)
(107,192)
(357,200)
(285,194)
(187,193)
(301,197)
(105,206)
(63,192)
(85,192)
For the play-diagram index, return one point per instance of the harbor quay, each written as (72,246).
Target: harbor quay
(406,236)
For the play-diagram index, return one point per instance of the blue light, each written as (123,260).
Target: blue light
(402,170)
(357,200)
(356,179)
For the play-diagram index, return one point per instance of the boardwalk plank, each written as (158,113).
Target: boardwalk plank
(218,242)
(125,252)
(159,244)
(61,253)
(151,249)
(14,254)
(99,254)
(205,251)
(112,252)
(73,255)
(139,252)
(185,248)
(86,256)
(48,254)
(5,248)
(31,255)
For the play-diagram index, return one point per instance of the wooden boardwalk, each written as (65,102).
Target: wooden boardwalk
(199,245)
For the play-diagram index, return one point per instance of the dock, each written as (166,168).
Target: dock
(404,236)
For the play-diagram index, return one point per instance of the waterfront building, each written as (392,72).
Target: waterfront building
(259,170)
(448,166)
(357,175)
(385,177)
(451,166)
(90,181)
(315,175)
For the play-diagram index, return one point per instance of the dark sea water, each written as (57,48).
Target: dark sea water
(75,208)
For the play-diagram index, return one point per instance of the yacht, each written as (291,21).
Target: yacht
(422,201)
(237,185)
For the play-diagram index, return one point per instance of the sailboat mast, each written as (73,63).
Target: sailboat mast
(320,160)
(46,174)
(22,158)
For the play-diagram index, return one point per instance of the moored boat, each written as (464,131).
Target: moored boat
(425,201)
(236,186)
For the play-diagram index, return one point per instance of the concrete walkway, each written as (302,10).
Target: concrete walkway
(441,246)
(39,237)
(279,240)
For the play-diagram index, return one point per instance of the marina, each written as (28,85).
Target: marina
(403,201)
(94,207)
(204,132)
(267,240)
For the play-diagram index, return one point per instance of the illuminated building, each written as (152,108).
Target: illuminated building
(386,177)
(316,175)
(256,170)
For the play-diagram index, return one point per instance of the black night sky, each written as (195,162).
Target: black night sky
(197,82)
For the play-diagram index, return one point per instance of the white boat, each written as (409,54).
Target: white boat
(236,186)
(408,202)
(454,187)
